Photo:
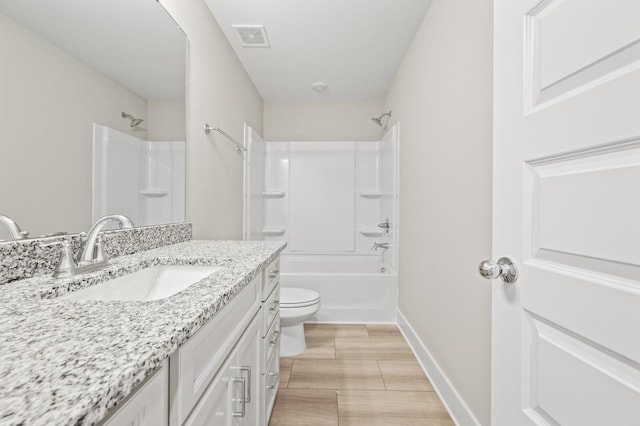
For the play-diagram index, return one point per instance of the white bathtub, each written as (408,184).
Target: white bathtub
(353,289)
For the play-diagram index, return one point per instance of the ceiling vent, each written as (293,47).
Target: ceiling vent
(252,35)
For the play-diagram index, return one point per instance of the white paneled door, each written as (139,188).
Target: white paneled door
(566,334)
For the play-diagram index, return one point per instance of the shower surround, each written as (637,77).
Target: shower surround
(144,180)
(326,200)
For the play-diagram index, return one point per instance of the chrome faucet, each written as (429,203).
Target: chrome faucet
(92,251)
(376,246)
(14,229)
(92,257)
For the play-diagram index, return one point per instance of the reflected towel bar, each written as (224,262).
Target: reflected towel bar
(208,129)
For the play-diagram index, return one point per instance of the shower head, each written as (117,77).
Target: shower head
(378,120)
(134,121)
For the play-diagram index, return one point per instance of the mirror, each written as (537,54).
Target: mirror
(68,64)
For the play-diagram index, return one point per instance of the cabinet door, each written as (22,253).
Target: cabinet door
(232,398)
(249,369)
(149,406)
(199,360)
(217,406)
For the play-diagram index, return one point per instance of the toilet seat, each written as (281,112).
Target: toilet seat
(298,297)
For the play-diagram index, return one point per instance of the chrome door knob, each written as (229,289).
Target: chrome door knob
(505,268)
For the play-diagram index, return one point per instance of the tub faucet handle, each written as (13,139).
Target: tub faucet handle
(386,225)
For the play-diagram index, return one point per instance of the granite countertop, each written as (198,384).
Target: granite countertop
(65,362)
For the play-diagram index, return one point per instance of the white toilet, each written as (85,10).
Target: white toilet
(296,306)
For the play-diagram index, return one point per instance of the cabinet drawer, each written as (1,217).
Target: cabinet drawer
(271,277)
(271,309)
(149,405)
(198,361)
(272,341)
(271,383)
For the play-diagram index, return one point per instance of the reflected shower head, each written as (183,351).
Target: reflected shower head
(134,121)
(378,120)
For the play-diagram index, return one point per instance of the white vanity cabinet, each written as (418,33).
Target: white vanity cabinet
(226,374)
(198,367)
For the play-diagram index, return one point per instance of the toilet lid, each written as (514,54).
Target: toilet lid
(297,297)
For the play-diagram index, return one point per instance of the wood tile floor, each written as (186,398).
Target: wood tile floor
(355,375)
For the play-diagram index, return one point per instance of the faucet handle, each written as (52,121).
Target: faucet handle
(66,264)
(99,253)
(385,225)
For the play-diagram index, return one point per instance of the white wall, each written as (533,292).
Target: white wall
(441,95)
(166,121)
(322,120)
(219,92)
(49,102)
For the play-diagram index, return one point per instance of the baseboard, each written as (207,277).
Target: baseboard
(453,402)
(355,315)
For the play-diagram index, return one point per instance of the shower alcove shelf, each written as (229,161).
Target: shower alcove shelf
(273,231)
(370,231)
(371,194)
(273,194)
(154,192)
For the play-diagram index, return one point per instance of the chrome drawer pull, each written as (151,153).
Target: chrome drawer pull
(275,339)
(274,306)
(248,370)
(276,375)
(243,383)
(274,273)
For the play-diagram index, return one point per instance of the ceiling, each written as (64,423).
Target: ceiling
(355,46)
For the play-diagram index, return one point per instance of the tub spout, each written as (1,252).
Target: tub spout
(376,246)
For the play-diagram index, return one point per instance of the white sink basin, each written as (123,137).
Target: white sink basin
(153,283)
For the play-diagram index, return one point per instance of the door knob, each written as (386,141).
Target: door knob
(505,268)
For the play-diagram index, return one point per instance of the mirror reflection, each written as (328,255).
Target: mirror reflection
(69,66)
